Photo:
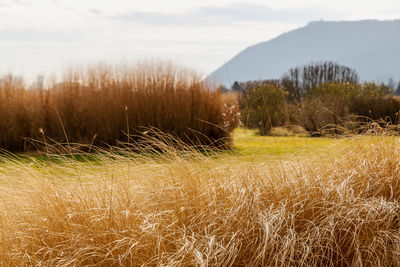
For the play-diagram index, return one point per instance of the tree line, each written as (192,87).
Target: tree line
(315,96)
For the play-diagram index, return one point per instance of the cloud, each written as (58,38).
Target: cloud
(95,11)
(213,15)
(38,35)
(21,2)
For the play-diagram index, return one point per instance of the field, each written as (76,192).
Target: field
(272,201)
(248,142)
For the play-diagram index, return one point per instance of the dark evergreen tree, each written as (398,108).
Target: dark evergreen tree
(391,84)
(235,87)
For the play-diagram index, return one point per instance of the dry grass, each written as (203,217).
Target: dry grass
(231,110)
(183,208)
(101,104)
(288,131)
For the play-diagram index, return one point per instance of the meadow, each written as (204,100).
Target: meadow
(271,201)
(144,165)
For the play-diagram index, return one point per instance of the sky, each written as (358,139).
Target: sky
(42,37)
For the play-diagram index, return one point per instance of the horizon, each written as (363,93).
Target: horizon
(33,77)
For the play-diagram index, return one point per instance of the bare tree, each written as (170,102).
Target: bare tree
(300,80)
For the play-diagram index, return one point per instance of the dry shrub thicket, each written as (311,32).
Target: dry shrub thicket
(315,96)
(184,208)
(102,104)
(231,112)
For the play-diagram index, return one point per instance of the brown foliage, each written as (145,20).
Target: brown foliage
(231,110)
(102,104)
(316,96)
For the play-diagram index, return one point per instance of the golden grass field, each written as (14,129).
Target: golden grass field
(272,201)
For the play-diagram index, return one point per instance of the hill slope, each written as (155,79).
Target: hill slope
(371,47)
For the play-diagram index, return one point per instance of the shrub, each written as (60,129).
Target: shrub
(380,108)
(231,112)
(316,96)
(300,81)
(318,112)
(263,106)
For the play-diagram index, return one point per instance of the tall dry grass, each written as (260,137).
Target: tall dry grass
(182,208)
(102,104)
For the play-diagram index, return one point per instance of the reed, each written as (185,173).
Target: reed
(100,104)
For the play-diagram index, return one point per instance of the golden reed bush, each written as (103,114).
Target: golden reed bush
(183,208)
(231,112)
(102,104)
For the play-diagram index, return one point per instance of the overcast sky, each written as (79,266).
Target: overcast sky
(45,36)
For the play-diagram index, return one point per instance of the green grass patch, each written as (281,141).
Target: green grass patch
(248,145)
(248,142)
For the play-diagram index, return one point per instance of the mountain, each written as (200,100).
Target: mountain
(371,47)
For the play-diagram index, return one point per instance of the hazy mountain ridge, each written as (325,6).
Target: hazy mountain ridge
(369,46)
